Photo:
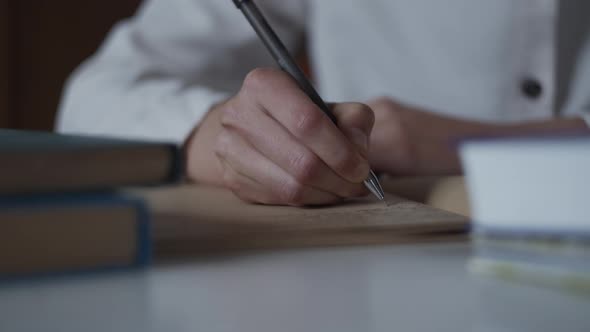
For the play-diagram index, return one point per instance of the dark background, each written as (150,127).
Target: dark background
(41,43)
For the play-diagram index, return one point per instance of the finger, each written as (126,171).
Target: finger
(356,121)
(254,177)
(242,186)
(279,146)
(306,122)
(252,191)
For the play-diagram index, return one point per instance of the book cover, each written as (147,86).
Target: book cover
(40,162)
(55,234)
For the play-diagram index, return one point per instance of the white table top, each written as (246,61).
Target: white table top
(386,288)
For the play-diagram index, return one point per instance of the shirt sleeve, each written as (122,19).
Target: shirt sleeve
(158,73)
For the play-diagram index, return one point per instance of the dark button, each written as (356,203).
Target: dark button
(531,88)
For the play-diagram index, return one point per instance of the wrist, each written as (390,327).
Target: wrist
(202,164)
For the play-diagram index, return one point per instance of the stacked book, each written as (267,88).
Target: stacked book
(60,210)
(71,203)
(529,200)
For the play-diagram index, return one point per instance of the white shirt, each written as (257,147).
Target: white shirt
(158,73)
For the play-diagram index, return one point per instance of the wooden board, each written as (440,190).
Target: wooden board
(196,218)
(446,193)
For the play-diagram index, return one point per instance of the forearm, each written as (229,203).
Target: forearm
(541,127)
(408,141)
(545,126)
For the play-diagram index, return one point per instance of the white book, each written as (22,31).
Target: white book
(534,184)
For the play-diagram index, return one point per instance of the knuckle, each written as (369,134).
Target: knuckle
(305,167)
(230,114)
(257,78)
(307,120)
(292,193)
(222,144)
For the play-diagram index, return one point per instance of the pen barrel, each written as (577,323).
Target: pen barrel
(280,53)
(283,58)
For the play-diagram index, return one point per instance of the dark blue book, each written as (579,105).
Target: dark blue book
(55,234)
(37,162)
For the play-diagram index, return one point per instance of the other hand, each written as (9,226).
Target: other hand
(408,141)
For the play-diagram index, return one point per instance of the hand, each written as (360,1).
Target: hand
(407,141)
(272,145)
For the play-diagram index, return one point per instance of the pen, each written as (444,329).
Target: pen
(286,62)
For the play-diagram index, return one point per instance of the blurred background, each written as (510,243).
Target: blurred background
(41,43)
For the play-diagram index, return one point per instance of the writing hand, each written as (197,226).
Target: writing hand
(273,145)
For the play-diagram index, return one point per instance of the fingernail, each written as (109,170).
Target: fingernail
(359,138)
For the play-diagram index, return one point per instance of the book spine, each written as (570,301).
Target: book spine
(143,255)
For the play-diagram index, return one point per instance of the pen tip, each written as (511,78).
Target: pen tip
(375,191)
(372,183)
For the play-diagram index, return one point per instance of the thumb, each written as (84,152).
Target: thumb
(355,120)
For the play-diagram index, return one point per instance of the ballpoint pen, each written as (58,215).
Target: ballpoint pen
(283,58)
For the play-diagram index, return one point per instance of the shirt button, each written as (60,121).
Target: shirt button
(531,88)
